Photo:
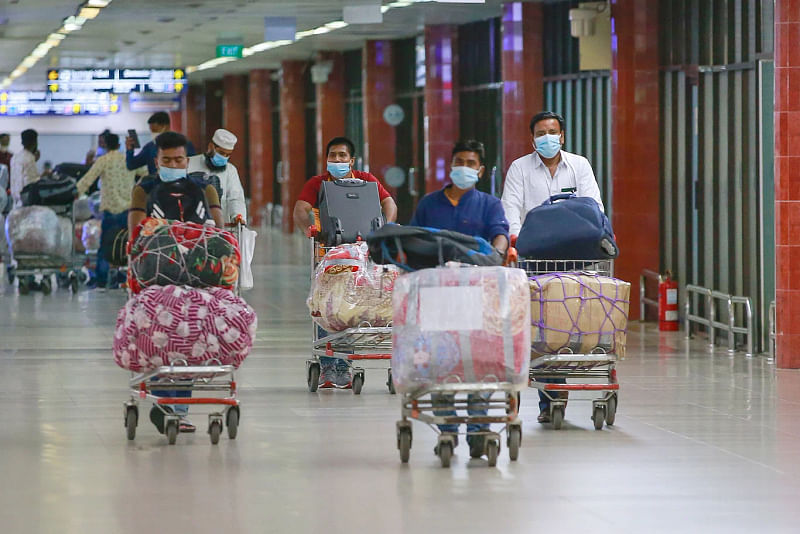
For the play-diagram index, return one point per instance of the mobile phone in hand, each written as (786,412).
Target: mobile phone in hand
(132,134)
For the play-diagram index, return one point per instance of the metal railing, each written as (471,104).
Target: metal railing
(773,330)
(710,320)
(647,274)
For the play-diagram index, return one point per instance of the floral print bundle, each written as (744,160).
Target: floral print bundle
(180,253)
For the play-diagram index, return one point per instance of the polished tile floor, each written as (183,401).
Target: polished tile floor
(704,441)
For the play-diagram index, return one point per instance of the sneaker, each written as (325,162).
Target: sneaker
(186,426)
(477,446)
(325,385)
(544,416)
(157,417)
(344,378)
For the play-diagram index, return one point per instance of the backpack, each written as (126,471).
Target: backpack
(567,227)
(183,200)
(416,247)
(49,192)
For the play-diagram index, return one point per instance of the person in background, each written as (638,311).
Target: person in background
(115,197)
(215,162)
(23,169)
(460,207)
(5,155)
(90,157)
(172,175)
(47,169)
(158,124)
(102,148)
(335,373)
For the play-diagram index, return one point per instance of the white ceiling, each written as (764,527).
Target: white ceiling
(178,33)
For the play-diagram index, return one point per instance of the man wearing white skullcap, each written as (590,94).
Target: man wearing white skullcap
(215,163)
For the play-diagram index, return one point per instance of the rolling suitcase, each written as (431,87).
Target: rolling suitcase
(348,209)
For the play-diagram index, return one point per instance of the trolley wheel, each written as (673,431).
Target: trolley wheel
(557,417)
(514,441)
(171,431)
(214,431)
(611,410)
(445,452)
(404,443)
(599,416)
(131,420)
(232,421)
(358,383)
(492,450)
(313,377)
(390,383)
(73,283)
(24,285)
(47,285)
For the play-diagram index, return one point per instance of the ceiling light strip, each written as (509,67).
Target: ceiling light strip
(86,11)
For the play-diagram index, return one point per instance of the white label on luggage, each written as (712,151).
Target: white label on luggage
(671,316)
(450,308)
(672,296)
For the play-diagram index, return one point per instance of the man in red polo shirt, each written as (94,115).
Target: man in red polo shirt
(341,157)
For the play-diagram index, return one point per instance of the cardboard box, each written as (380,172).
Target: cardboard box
(578,312)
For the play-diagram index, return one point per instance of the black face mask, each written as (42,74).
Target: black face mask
(211,165)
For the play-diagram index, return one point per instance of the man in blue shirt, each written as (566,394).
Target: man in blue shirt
(158,123)
(462,208)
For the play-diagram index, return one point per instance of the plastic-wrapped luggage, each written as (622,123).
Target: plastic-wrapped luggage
(38,230)
(94,205)
(468,324)
(81,209)
(163,324)
(348,290)
(90,235)
(177,253)
(579,313)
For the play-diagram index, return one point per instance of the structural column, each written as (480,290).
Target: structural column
(260,140)
(441,102)
(379,137)
(234,119)
(212,110)
(635,133)
(191,115)
(787,182)
(293,138)
(330,104)
(523,73)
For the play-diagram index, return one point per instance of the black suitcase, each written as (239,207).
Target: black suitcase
(49,192)
(348,209)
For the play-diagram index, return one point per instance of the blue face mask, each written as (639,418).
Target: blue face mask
(548,145)
(339,170)
(464,177)
(218,160)
(168,174)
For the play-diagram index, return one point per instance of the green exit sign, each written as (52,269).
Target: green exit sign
(229,50)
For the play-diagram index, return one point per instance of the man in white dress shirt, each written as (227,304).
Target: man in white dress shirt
(215,162)
(534,178)
(547,171)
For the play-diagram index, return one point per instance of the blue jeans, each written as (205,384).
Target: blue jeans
(112,222)
(334,370)
(180,409)
(477,404)
(544,402)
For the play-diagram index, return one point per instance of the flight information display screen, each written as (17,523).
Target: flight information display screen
(13,103)
(117,81)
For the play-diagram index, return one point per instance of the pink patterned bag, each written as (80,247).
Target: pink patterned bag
(167,323)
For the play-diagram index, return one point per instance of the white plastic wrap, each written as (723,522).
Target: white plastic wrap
(348,290)
(80,208)
(38,230)
(94,205)
(462,324)
(90,235)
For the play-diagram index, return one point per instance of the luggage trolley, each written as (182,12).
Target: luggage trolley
(500,400)
(180,376)
(66,269)
(363,343)
(594,372)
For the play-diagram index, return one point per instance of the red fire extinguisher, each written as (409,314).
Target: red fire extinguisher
(667,303)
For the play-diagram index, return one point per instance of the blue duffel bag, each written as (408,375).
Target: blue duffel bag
(567,227)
